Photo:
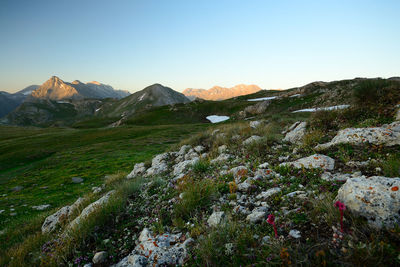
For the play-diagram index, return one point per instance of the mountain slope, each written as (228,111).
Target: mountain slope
(57,89)
(155,95)
(221,93)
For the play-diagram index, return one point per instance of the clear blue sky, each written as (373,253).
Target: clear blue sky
(188,43)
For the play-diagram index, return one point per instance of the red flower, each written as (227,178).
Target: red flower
(271,219)
(340,205)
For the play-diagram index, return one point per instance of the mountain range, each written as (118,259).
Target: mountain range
(9,102)
(57,89)
(221,93)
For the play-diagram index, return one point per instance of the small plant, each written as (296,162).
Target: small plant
(232,187)
(271,221)
(341,208)
(201,166)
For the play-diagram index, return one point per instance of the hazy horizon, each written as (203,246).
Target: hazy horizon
(183,44)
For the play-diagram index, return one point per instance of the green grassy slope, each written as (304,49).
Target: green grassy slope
(43,161)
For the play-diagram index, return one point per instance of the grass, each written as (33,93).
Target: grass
(43,161)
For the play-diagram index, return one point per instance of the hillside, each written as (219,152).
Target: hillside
(306,176)
(8,102)
(221,93)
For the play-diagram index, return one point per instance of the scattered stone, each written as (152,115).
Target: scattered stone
(96,189)
(199,149)
(182,167)
(216,218)
(77,180)
(387,135)
(268,193)
(336,177)
(161,250)
(255,124)
(295,234)
(238,172)
(256,216)
(138,169)
(158,165)
(17,188)
(1,211)
(41,207)
(221,158)
(222,149)
(100,257)
(313,161)
(296,132)
(266,240)
(252,139)
(265,165)
(376,198)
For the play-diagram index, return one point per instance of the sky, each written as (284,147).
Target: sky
(197,44)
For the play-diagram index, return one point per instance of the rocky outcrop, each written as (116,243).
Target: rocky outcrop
(91,208)
(53,221)
(157,250)
(252,139)
(376,198)
(296,132)
(313,161)
(387,135)
(158,164)
(138,169)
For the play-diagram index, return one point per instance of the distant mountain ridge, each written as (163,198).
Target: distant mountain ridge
(57,89)
(221,93)
(9,101)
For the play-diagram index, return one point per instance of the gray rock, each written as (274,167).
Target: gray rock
(255,124)
(313,161)
(296,133)
(77,180)
(138,169)
(256,216)
(216,218)
(222,149)
(221,158)
(161,250)
(387,135)
(295,234)
(199,149)
(158,164)
(268,193)
(52,221)
(100,257)
(251,140)
(238,172)
(376,198)
(41,207)
(91,208)
(17,188)
(182,167)
(336,177)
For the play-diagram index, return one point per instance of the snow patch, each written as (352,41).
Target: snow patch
(325,108)
(97,109)
(262,98)
(141,98)
(296,95)
(216,118)
(28,92)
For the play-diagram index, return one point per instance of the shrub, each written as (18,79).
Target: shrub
(201,166)
(197,195)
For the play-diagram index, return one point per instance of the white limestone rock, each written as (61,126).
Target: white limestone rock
(138,169)
(376,198)
(387,135)
(216,218)
(313,161)
(268,193)
(296,133)
(252,139)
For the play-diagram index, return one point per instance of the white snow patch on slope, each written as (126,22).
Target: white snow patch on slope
(216,118)
(141,97)
(262,98)
(97,109)
(296,95)
(325,108)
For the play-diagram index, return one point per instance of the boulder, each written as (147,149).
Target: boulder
(160,250)
(387,135)
(257,108)
(91,208)
(158,164)
(52,221)
(376,198)
(222,149)
(313,161)
(182,167)
(296,133)
(100,257)
(216,218)
(138,169)
(77,180)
